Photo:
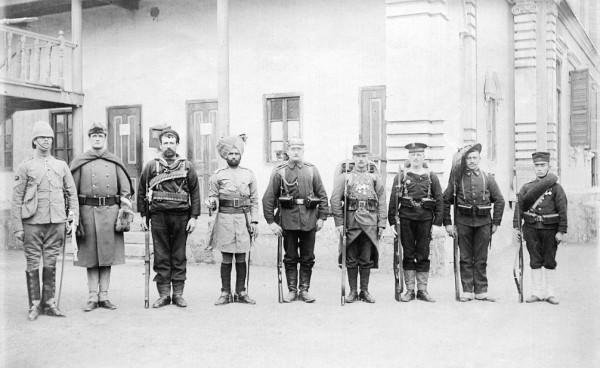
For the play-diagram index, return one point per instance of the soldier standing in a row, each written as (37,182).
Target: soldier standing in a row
(416,200)
(168,193)
(296,187)
(365,218)
(543,209)
(105,190)
(232,190)
(39,217)
(477,194)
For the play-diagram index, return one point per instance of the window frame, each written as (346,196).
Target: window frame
(267,98)
(7,166)
(69,143)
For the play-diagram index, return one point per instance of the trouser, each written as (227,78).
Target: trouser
(240,271)
(98,278)
(358,253)
(541,245)
(415,237)
(170,236)
(473,244)
(42,241)
(295,241)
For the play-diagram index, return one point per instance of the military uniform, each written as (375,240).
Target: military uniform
(38,209)
(168,193)
(416,202)
(479,206)
(543,212)
(365,216)
(234,189)
(296,189)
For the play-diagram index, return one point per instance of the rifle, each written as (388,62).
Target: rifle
(147,248)
(279,259)
(344,237)
(455,176)
(518,264)
(398,271)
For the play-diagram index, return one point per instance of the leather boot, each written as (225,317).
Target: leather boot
(164,289)
(33,292)
(291,276)
(550,276)
(243,297)
(364,295)
(536,286)
(240,277)
(409,279)
(48,289)
(422,294)
(352,280)
(178,293)
(225,297)
(305,273)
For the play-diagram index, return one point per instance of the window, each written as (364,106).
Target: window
(6,130)
(283,121)
(580,128)
(493,96)
(62,124)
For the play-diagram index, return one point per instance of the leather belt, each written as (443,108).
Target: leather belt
(539,218)
(235,203)
(299,201)
(98,201)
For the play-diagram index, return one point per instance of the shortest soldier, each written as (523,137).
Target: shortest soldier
(39,216)
(543,210)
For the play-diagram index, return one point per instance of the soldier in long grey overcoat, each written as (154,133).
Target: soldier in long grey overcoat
(105,190)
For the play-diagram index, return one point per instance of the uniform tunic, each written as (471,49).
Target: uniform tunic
(101,245)
(230,233)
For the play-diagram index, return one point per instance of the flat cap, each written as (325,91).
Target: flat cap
(168,132)
(359,149)
(416,147)
(97,128)
(541,156)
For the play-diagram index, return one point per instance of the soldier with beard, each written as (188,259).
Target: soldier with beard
(168,193)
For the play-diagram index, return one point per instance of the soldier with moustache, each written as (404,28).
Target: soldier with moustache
(543,212)
(480,206)
(233,191)
(168,193)
(296,190)
(365,218)
(416,201)
(105,191)
(42,184)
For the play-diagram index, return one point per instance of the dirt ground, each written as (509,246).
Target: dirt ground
(323,334)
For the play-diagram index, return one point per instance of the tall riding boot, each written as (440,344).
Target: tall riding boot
(241,296)
(104,282)
(409,279)
(305,274)
(352,280)
(164,289)
(291,276)
(550,276)
(177,299)
(536,286)
(422,294)
(226,296)
(33,292)
(364,295)
(48,290)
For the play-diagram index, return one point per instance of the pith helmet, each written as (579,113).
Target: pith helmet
(41,129)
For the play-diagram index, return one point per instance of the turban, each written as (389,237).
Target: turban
(224,145)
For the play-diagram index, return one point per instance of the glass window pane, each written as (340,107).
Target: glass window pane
(276,151)
(276,109)
(293,129)
(276,131)
(60,124)
(293,109)
(60,141)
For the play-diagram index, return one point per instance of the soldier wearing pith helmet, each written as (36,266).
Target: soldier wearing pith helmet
(543,209)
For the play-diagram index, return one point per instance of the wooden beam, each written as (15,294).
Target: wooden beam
(44,7)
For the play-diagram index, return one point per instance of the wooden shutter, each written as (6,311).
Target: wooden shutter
(580,129)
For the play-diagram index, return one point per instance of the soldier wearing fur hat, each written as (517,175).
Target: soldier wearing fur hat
(365,218)
(296,192)
(416,201)
(232,190)
(105,191)
(479,208)
(543,210)
(168,193)
(42,184)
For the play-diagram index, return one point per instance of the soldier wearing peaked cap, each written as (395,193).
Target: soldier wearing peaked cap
(105,191)
(168,193)
(365,218)
(543,209)
(416,201)
(296,192)
(42,185)
(480,206)
(233,191)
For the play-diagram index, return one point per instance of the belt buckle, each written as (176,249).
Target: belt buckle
(236,202)
(539,218)
(362,205)
(417,203)
(101,201)
(300,201)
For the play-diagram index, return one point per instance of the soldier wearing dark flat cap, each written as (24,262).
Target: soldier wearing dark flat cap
(296,189)
(480,206)
(417,202)
(168,193)
(105,191)
(543,209)
(365,218)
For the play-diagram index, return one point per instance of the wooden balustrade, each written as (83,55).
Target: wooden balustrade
(33,58)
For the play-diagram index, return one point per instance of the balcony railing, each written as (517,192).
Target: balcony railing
(36,59)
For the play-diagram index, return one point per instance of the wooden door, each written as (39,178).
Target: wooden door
(372,124)
(201,126)
(125,140)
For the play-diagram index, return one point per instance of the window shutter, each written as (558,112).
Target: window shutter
(580,129)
